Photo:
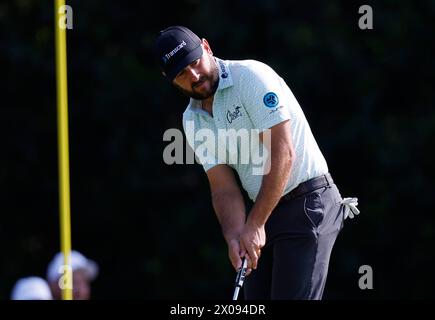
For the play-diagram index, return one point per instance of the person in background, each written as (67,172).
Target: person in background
(84,272)
(31,288)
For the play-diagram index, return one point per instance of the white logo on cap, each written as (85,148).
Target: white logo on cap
(176,49)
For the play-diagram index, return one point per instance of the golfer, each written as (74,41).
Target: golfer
(288,234)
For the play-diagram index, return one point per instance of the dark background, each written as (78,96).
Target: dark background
(367,94)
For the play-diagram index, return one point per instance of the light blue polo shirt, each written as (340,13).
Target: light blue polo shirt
(250,98)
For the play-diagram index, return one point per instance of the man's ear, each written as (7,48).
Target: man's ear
(206,46)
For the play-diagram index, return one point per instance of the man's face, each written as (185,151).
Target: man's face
(81,287)
(200,79)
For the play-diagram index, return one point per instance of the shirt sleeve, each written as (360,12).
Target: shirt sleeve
(264,96)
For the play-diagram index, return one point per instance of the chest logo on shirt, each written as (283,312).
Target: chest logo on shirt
(270,99)
(231,116)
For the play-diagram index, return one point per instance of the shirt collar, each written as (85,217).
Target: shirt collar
(225,77)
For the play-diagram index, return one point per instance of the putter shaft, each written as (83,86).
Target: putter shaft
(240,278)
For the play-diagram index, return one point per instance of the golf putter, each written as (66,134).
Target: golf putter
(240,278)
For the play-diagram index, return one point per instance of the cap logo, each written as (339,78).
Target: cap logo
(170,54)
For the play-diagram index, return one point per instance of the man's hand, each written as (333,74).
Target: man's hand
(252,240)
(235,253)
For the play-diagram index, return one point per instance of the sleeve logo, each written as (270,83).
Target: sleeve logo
(270,99)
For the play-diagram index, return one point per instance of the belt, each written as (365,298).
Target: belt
(308,186)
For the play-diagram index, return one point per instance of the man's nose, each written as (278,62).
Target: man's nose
(193,74)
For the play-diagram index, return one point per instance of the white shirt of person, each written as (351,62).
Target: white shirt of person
(250,96)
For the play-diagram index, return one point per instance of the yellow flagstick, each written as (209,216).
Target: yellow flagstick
(63,153)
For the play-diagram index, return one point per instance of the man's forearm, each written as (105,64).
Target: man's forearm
(272,187)
(229,207)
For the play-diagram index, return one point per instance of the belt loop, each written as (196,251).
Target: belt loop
(327,180)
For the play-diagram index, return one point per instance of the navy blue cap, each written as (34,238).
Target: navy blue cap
(175,48)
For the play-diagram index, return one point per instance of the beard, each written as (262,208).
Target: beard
(212,77)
